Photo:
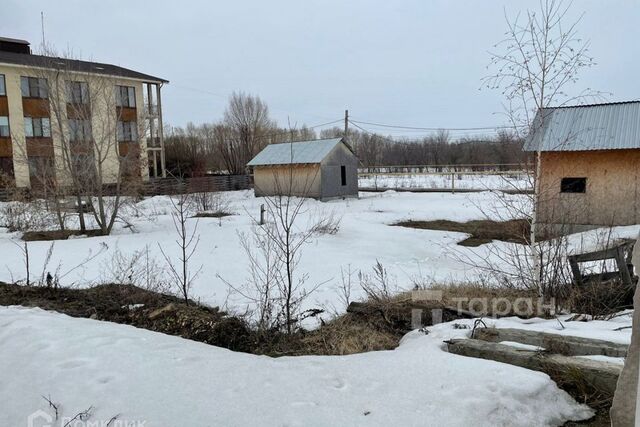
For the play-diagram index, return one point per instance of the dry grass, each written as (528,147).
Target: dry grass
(489,299)
(38,236)
(349,334)
(600,299)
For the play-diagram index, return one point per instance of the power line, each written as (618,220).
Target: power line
(395,141)
(430,128)
(288,132)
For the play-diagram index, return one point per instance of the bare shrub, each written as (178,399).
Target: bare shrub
(260,288)
(138,268)
(346,285)
(377,286)
(25,216)
(325,223)
(212,205)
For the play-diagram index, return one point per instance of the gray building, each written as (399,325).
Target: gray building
(323,169)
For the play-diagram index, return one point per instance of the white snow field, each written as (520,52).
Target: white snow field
(158,380)
(364,237)
(476,181)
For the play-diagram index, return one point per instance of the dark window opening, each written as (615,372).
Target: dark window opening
(343,175)
(573,185)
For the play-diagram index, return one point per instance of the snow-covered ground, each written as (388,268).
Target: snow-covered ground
(161,380)
(446,181)
(364,237)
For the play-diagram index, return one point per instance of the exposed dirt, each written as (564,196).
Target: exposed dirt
(134,306)
(481,231)
(350,333)
(212,214)
(33,236)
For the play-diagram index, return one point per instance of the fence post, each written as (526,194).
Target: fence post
(262,214)
(453,182)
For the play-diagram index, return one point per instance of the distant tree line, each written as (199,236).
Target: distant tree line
(246,128)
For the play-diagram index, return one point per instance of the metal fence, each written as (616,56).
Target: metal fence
(514,178)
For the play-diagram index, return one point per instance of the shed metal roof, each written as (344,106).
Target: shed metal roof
(611,126)
(301,152)
(74,65)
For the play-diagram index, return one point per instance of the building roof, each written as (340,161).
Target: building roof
(74,65)
(301,152)
(611,126)
(10,40)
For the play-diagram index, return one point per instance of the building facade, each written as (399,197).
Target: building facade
(61,116)
(323,169)
(589,167)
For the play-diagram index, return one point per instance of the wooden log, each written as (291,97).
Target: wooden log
(554,343)
(565,370)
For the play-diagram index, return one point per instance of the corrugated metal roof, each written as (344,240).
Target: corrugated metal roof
(612,126)
(295,152)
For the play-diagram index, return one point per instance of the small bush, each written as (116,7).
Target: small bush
(25,216)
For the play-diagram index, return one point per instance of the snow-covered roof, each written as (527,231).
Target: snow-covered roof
(301,152)
(611,126)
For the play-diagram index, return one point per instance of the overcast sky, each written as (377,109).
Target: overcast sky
(415,63)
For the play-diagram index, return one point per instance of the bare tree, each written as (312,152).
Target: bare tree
(242,134)
(95,145)
(284,211)
(539,59)
(187,241)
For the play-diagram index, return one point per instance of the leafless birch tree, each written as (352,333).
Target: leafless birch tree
(535,66)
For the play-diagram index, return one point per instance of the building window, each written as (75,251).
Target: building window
(37,127)
(79,130)
(126,96)
(127,131)
(6,168)
(32,87)
(573,185)
(4,126)
(77,93)
(343,175)
(3,87)
(41,170)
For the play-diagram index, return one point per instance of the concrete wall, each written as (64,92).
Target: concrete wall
(297,180)
(102,95)
(331,173)
(612,195)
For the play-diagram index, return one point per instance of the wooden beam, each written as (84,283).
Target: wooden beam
(554,343)
(565,370)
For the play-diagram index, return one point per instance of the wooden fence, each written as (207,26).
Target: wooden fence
(159,186)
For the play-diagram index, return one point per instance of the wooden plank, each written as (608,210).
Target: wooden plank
(623,268)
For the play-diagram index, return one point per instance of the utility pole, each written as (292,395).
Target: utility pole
(42,25)
(346,122)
